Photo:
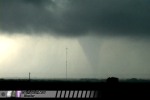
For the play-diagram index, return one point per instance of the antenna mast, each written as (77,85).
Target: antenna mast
(66,62)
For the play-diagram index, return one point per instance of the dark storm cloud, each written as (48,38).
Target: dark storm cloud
(76,17)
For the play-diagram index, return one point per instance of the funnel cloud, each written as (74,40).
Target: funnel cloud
(104,38)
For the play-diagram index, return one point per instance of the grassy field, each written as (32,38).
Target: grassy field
(124,88)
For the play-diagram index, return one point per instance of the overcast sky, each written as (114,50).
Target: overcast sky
(104,38)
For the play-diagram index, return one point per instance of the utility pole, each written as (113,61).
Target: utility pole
(66,62)
(29,76)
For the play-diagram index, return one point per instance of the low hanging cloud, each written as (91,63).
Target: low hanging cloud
(99,56)
(76,17)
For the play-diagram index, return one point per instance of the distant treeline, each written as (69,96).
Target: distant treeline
(110,79)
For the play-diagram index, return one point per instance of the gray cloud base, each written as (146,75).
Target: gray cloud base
(76,17)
